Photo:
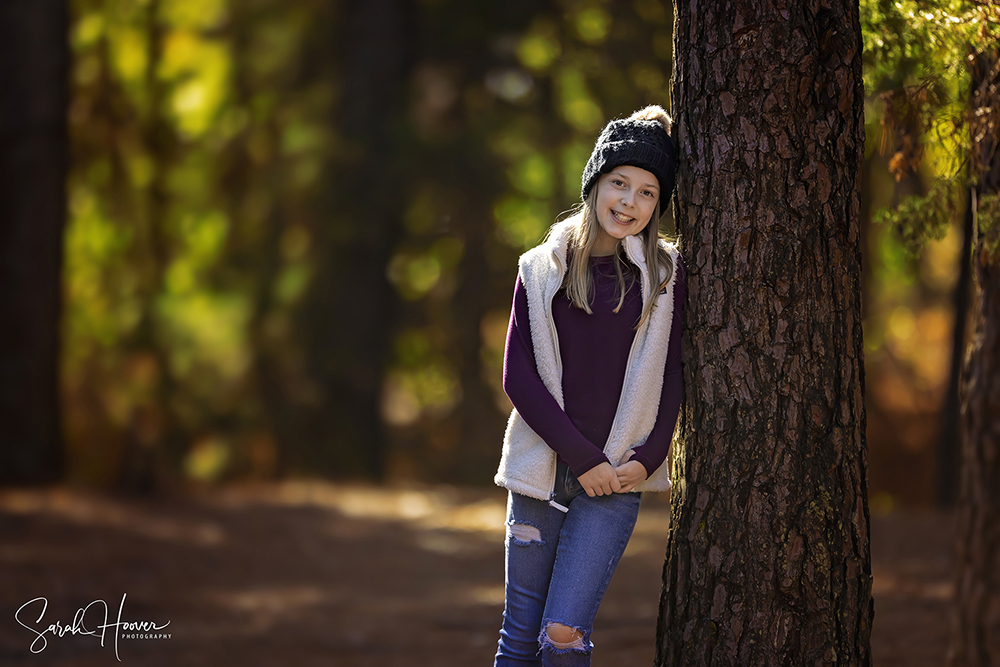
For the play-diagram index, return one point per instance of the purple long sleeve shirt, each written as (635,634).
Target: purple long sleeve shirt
(594,349)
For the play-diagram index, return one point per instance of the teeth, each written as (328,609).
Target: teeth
(621,218)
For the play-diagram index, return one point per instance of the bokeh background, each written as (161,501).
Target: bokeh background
(293,232)
(290,246)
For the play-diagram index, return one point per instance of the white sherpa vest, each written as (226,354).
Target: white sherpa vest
(527,464)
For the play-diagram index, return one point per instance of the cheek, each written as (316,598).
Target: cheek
(652,209)
(605,199)
(648,210)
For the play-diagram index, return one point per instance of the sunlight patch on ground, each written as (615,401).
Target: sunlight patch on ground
(890,583)
(652,521)
(87,510)
(487,595)
(434,508)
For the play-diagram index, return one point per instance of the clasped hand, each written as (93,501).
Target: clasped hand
(604,479)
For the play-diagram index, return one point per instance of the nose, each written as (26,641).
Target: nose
(627,199)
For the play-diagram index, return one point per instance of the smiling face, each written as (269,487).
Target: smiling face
(626,201)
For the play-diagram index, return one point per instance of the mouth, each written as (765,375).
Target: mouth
(622,218)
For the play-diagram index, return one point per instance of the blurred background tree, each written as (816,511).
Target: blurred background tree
(918,81)
(976,631)
(33,164)
(945,110)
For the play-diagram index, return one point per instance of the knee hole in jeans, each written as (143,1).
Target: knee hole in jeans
(564,637)
(525,533)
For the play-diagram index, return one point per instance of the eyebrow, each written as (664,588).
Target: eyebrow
(644,185)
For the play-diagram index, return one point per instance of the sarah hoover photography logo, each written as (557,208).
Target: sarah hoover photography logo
(91,620)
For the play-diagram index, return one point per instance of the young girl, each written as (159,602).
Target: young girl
(593,369)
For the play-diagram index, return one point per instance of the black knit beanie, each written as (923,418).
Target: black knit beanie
(637,142)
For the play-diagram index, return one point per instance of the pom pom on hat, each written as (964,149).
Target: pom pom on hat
(641,140)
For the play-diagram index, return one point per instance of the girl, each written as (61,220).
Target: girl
(593,369)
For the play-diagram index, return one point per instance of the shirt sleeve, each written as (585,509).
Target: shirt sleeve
(652,453)
(533,401)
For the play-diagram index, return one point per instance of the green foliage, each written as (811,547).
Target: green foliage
(539,48)
(423,382)
(909,41)
(522,222)
(916,60)
(576,103)
(186,135)
(592,25)
(920,219)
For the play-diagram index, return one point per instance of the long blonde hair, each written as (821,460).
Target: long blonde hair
(578,281)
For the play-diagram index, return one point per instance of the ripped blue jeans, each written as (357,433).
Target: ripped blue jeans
(558,567)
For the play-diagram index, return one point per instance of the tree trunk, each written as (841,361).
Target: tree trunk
(976,636)
(34,51)
(352,311)
(480,421)
(976,629)
(768,557)
(949,448)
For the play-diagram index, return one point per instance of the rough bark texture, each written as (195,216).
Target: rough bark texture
(768,557)
(33,165)
(976,637)
(976,628)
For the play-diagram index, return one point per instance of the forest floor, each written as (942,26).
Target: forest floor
(314,573)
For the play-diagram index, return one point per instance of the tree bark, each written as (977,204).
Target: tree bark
(34,161)
(976,635)
(975,638)
(949,446)
(768,558)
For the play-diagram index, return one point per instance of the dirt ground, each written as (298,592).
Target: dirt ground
(307,573)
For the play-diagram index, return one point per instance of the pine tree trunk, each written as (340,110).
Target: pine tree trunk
(975,640)
(976,636)
(768,557)
(34,63)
